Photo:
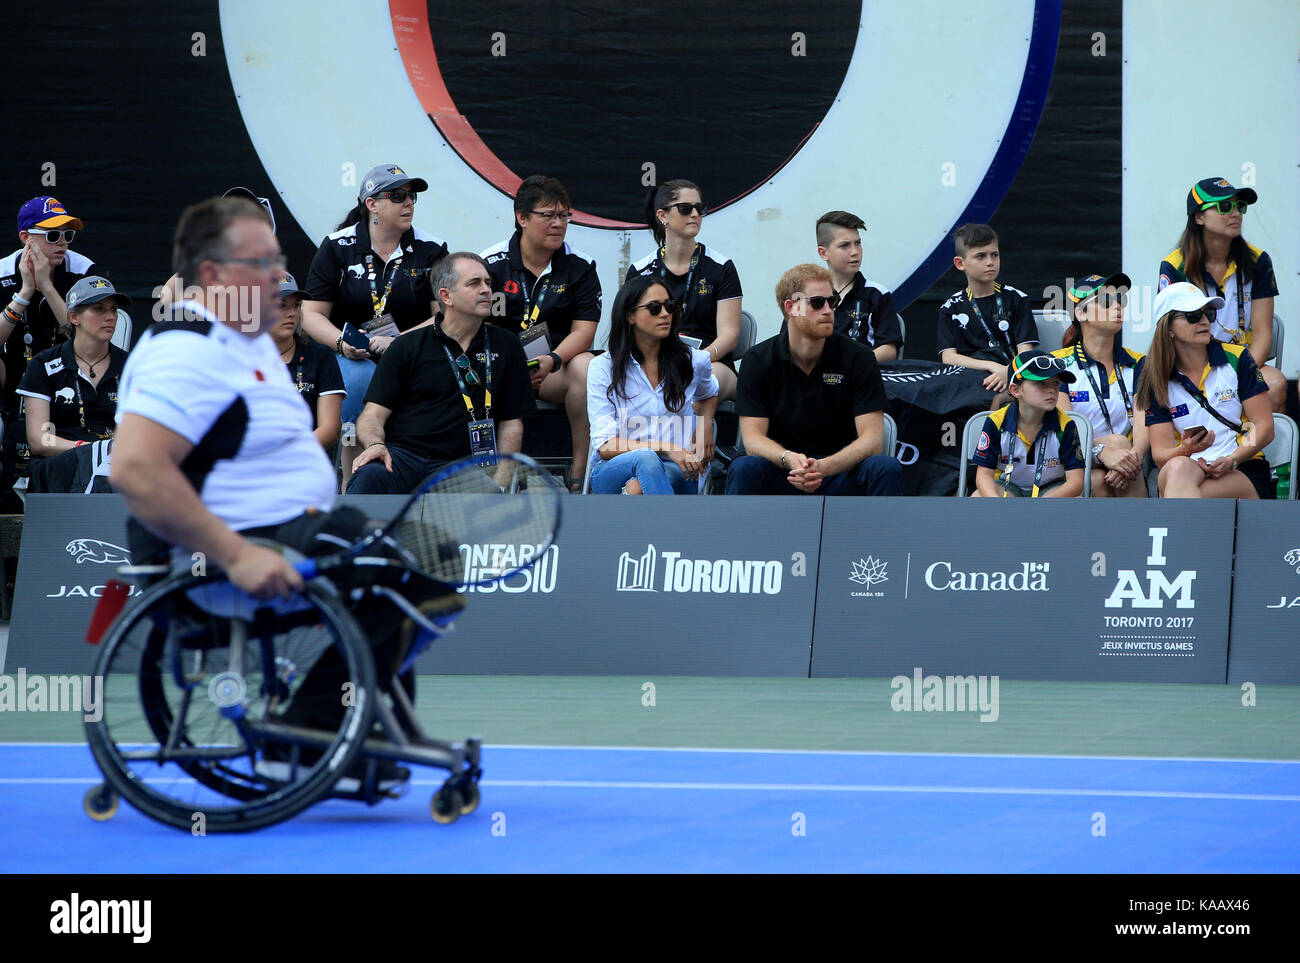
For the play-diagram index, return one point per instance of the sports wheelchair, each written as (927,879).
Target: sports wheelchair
(222,713)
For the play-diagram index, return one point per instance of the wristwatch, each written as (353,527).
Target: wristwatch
(558,363)
(1096,451)
(784,464)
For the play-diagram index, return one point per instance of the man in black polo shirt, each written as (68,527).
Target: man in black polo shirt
(444,391)
(810,403)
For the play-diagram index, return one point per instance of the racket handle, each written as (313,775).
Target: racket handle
(307,568)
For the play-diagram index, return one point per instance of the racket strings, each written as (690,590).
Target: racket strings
(485,521)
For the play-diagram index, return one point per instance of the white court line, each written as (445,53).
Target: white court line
(797,787)
(808,752)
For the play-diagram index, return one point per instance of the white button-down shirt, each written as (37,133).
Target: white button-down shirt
(643,415)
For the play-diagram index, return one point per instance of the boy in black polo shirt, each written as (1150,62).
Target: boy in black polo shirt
(810,403)
(866,309)
(984,325)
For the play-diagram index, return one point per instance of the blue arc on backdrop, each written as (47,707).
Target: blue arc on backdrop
(1011,151)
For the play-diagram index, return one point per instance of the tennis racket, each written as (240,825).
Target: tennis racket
(475,522)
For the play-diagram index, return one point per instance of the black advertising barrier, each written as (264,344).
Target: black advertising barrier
(1120,591)
(1265,639)
(676,586)
(687,586)
(72,545)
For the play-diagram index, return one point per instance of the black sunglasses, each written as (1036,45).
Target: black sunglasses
(1226,207)
(654,307)
(399,195)
(470,377)
(1105,300)
(818,301)
(1195,317)
(684,209)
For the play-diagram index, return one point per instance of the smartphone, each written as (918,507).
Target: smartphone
(356,337)
(1196,433)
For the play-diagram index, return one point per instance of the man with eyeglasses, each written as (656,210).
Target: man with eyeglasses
(213,441)
(34,281)
(443,391)
(811,404)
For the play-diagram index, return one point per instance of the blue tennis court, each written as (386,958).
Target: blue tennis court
(568,809)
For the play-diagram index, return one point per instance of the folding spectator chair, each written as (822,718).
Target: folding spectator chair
(1282,451)
(122,333)
(1279,332)
(1052,326)
(970,437)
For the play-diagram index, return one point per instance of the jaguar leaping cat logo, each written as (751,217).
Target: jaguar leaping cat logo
(93,550)
(1293,558)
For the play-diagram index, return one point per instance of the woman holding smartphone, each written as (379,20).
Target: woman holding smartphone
(1207,408)
(642,399)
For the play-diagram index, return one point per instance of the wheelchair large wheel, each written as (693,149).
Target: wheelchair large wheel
(221,714)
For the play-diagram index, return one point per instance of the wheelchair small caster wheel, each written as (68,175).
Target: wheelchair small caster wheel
(469,798)
(100,803)
(447,804)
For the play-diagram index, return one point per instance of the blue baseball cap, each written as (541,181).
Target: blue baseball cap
(46,212)
(384,177)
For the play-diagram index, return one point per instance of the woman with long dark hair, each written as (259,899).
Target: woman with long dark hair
(1207,407)
(1105,380)
(1214,256)
(643,397)
(704,282)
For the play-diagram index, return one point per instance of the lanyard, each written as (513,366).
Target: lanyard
(690,275)
(487,383)
(1086,364)
(533,309)
(999,317)
(81,407)
(857,315)
(1043,434)
(1205,403)
(1240,333)
(376,301)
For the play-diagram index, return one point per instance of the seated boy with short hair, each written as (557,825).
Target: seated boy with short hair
(1030,448)
(986,323)
(866,308)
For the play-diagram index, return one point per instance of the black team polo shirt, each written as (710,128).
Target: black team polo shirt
(415,382)
(810,413)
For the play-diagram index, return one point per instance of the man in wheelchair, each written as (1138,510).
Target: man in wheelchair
(215,453)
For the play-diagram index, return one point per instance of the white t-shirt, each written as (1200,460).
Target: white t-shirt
(255,461)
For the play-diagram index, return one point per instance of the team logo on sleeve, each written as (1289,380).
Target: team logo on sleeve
(962,319)
(984,442)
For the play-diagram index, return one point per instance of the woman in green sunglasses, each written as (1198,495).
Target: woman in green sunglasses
(1214,256)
